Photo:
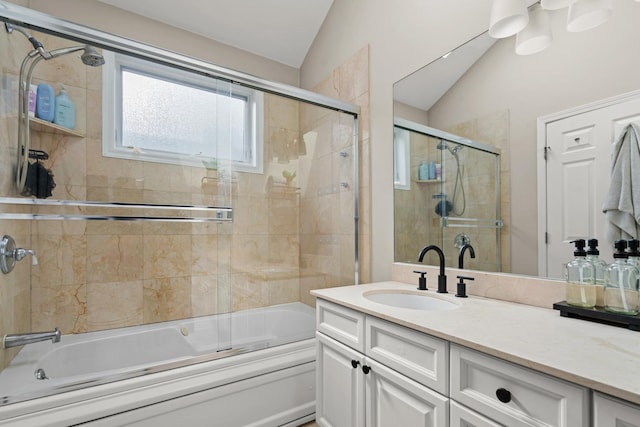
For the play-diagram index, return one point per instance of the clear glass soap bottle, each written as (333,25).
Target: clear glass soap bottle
(621,283)
(600,265)
(581,288)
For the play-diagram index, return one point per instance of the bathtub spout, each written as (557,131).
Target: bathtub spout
(15,340)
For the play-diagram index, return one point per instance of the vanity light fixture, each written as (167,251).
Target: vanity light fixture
(536,36)
(586,14)
(508,17)
(532,28)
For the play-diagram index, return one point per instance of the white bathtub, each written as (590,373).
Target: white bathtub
(116,373)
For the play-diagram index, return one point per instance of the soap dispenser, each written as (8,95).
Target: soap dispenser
(621,283)
(600,265)
(633,255)
(581,288)
(65,110)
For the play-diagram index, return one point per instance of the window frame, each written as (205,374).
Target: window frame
(112,115)
(401,159)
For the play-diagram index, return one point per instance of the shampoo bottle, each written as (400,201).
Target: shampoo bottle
(65,110)
(581,288)
(600,265)
(621,283)
(45,102)
(432,170)
(423,171)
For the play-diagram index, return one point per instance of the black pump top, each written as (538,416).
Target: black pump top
(633,247)
(580,243)
(593,247)
(620,246)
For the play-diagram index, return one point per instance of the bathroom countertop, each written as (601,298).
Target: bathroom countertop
(601,357)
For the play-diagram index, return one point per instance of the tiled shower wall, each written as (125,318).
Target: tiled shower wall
(285,239)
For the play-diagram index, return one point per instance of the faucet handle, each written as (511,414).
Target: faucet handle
(422,280)
(462,287)
(20,253)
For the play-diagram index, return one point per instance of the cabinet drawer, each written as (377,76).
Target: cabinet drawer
(612,412)
(530,398)
(341,323)
(421,357)
(463,417)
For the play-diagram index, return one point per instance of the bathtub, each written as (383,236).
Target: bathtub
(253,367)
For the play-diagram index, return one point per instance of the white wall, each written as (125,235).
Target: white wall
(99,15)
(403,36)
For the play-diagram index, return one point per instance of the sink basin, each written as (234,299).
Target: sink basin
(411,300)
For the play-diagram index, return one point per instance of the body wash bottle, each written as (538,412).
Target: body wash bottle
(581,288)
(621,283)
(65,110)
(423,171)
(45,102)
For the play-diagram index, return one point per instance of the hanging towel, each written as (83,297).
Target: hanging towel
(622,201)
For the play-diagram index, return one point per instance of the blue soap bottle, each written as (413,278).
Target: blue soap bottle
(65,110)
(45,102)
(423,171)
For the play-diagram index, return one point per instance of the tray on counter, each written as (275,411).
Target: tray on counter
(598,314)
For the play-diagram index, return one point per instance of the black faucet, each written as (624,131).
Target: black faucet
(442,279)
(461,254)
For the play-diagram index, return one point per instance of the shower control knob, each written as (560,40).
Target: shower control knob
(355,363)
(366,369)
(503,395)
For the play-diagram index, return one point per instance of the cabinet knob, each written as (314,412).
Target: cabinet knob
(366,369)
(355,363)
(503,395)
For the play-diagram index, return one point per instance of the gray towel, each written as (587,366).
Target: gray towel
(622,201)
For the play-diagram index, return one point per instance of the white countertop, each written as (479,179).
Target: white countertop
(601,357)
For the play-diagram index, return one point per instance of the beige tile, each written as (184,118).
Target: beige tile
(247,293)
(114,305)
(204,295)
(64,307)
(167,299)
(167,256)
(115,258)
(61,260)
(204,253)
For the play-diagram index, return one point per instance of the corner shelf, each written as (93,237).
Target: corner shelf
(44,126)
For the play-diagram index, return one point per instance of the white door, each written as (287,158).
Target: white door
(578,166)
(395,400)
(339,384)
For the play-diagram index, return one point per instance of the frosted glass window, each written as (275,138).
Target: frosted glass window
(401,160)
(166,115)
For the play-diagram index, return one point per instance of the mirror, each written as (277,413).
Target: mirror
(487,93)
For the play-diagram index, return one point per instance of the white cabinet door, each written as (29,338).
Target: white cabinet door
(464,417)
(339,385)
(611,412)
(395,400)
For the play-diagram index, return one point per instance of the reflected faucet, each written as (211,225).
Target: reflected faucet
(442,278)
(15,340)
(461,254)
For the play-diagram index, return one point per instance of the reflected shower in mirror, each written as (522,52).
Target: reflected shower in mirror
(455,203)
(485,92)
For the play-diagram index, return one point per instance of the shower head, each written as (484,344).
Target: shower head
(91,57)
(442,145)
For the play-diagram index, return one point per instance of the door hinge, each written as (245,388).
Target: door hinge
(546,238)
(546,151)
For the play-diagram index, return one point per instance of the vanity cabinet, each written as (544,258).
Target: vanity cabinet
(356,386)
(515,396)
(611,412)
(371,372)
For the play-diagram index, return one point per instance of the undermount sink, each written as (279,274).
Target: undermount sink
(411,300)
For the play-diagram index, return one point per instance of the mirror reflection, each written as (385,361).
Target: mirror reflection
(485,92)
